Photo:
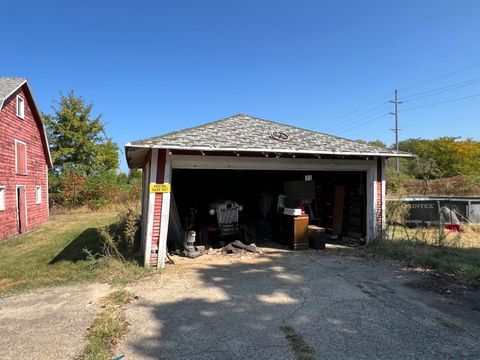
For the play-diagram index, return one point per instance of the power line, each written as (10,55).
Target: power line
(354,112)
(442,102)
(441,76)
(440,90)
(357,121)
(363,123)
(360,112)
(354,120)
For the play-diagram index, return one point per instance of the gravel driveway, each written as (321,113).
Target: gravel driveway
(331,305)
(48,324)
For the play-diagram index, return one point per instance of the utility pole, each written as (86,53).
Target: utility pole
(396,130)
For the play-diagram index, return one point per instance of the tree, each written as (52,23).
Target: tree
(377,143)
(85,160)
(452,155)
(78,142)
(426,169)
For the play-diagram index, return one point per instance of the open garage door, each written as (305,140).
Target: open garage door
(333,200)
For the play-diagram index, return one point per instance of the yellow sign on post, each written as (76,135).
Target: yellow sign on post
(160,188)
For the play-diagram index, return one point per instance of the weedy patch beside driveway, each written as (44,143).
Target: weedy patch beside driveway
(461,262)
(108,327)
(297,305)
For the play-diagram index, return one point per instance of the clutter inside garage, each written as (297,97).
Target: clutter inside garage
(301,210)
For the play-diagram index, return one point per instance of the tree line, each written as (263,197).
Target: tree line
(441,158)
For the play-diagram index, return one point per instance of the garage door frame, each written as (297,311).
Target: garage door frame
(375,186)
(288,164)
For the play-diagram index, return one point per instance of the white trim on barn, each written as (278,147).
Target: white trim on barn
(26,205)
(16,157)
(2,197)
(20,107)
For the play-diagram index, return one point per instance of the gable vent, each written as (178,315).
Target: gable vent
(279,135)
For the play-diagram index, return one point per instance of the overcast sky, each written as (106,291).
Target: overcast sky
(151,67)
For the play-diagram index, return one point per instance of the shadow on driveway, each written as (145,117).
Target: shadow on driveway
(338,306)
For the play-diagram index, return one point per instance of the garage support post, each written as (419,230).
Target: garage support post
(156,209)
(380,186)
(165,215)
(148,214)
(384,194)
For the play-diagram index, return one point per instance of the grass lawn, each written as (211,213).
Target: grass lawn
(53,254)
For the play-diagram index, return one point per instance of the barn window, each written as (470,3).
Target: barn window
(20,107)
(21,157)
(38,195)
(2,198)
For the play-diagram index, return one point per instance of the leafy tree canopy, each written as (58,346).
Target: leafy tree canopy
(437,158)
(77,139)
(452,155)
(377,143)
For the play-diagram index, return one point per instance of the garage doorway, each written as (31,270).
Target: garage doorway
(334,200)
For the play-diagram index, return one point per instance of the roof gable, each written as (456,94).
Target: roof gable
(242,132)
(8,87)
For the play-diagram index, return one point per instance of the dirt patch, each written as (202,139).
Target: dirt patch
(54,319)
(442,284)
(445,285)
(449,288)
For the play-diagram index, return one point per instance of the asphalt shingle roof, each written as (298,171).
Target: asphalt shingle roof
(8,85)
(242,132)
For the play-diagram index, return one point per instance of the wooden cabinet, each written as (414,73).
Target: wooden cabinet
(291,231)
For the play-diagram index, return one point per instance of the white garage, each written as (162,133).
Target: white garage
(335,183)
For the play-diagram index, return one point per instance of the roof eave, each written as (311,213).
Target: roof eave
(42,125)
(270,150)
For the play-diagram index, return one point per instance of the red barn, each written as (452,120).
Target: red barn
(24,161)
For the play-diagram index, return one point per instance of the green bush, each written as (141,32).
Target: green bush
(72,189)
